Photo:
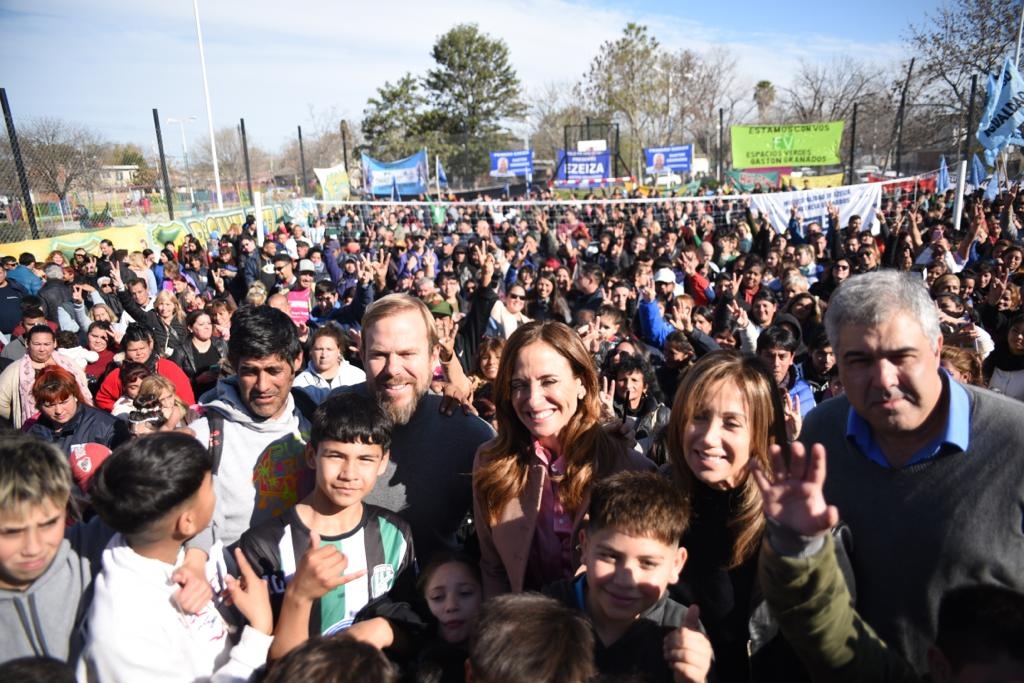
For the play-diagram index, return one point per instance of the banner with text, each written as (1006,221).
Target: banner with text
(333,183)
(678,159)
(583,166)
(410,174)
(812,182)
(851,200)
(747,181)
(512,163)
(798,144)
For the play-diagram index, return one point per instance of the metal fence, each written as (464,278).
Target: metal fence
(59,177)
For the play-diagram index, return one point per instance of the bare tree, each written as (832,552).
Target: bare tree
(827,91)
(60,155)
(960,39)
(230,160)
(715,87)
(659,96)
(553,107)
(764,98)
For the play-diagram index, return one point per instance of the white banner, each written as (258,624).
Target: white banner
(851,200)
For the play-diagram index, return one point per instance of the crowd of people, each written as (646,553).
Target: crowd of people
(600,440)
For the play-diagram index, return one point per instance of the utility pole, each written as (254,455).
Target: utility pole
(903,112)
(302,161)
(163,165)
(853,142)
(19,163)
(245,153)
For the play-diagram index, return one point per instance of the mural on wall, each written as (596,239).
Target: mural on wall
(156,235)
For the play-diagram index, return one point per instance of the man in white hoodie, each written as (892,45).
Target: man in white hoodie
(256,434)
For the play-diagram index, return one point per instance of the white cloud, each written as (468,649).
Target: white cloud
(108,63)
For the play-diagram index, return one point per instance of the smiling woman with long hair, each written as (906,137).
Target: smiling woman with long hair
(726,416)
(532,481)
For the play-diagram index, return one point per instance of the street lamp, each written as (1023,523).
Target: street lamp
(209,110)
(184,149)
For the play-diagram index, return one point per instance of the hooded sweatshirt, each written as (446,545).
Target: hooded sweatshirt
(137,633)
(44,619)
(262,470)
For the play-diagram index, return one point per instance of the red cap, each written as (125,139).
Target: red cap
(85,458)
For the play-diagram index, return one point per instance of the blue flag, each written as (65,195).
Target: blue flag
(442,179)
(395,194)
(991,88)
(992,191)
(976,176)
(1004,112)
(943,183)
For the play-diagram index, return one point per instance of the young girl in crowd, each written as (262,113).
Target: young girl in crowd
(452,589)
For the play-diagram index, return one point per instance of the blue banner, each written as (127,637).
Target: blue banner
(512,163)
(409,175)
(678,159)
(582,166)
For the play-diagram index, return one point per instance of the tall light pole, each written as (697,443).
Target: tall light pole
(184,150)
(209,110)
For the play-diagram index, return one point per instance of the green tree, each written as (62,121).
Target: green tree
(474,91)
(618,79)
(393,120)
(131,155)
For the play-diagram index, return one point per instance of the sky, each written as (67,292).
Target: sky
(280,64)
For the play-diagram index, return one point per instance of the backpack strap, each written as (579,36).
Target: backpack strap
(215,422)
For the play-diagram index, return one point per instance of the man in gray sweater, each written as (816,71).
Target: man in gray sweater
(928,473)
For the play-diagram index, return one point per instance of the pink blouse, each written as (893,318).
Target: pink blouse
(551,550)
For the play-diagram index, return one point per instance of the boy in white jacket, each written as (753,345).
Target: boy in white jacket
(157,492)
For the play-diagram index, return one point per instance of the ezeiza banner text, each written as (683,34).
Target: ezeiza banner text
(576,166)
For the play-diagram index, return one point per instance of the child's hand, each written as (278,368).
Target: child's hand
(250,595)
(195,591)
(320,571)
(688,650)
(793,495)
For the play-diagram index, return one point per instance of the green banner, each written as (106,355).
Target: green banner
(798,144)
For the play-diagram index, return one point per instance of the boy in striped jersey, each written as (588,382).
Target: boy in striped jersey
(332,562)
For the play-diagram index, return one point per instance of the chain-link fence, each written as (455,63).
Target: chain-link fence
(76,179)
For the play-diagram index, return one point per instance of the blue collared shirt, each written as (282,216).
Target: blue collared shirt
(957,433)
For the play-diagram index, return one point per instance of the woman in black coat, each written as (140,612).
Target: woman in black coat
(202,356)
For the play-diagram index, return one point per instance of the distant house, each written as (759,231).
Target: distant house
(117,177)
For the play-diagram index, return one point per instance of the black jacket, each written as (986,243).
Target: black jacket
(202,379)
(185,355)
(54,293)
(166,338)
(637,654)
(89,425)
